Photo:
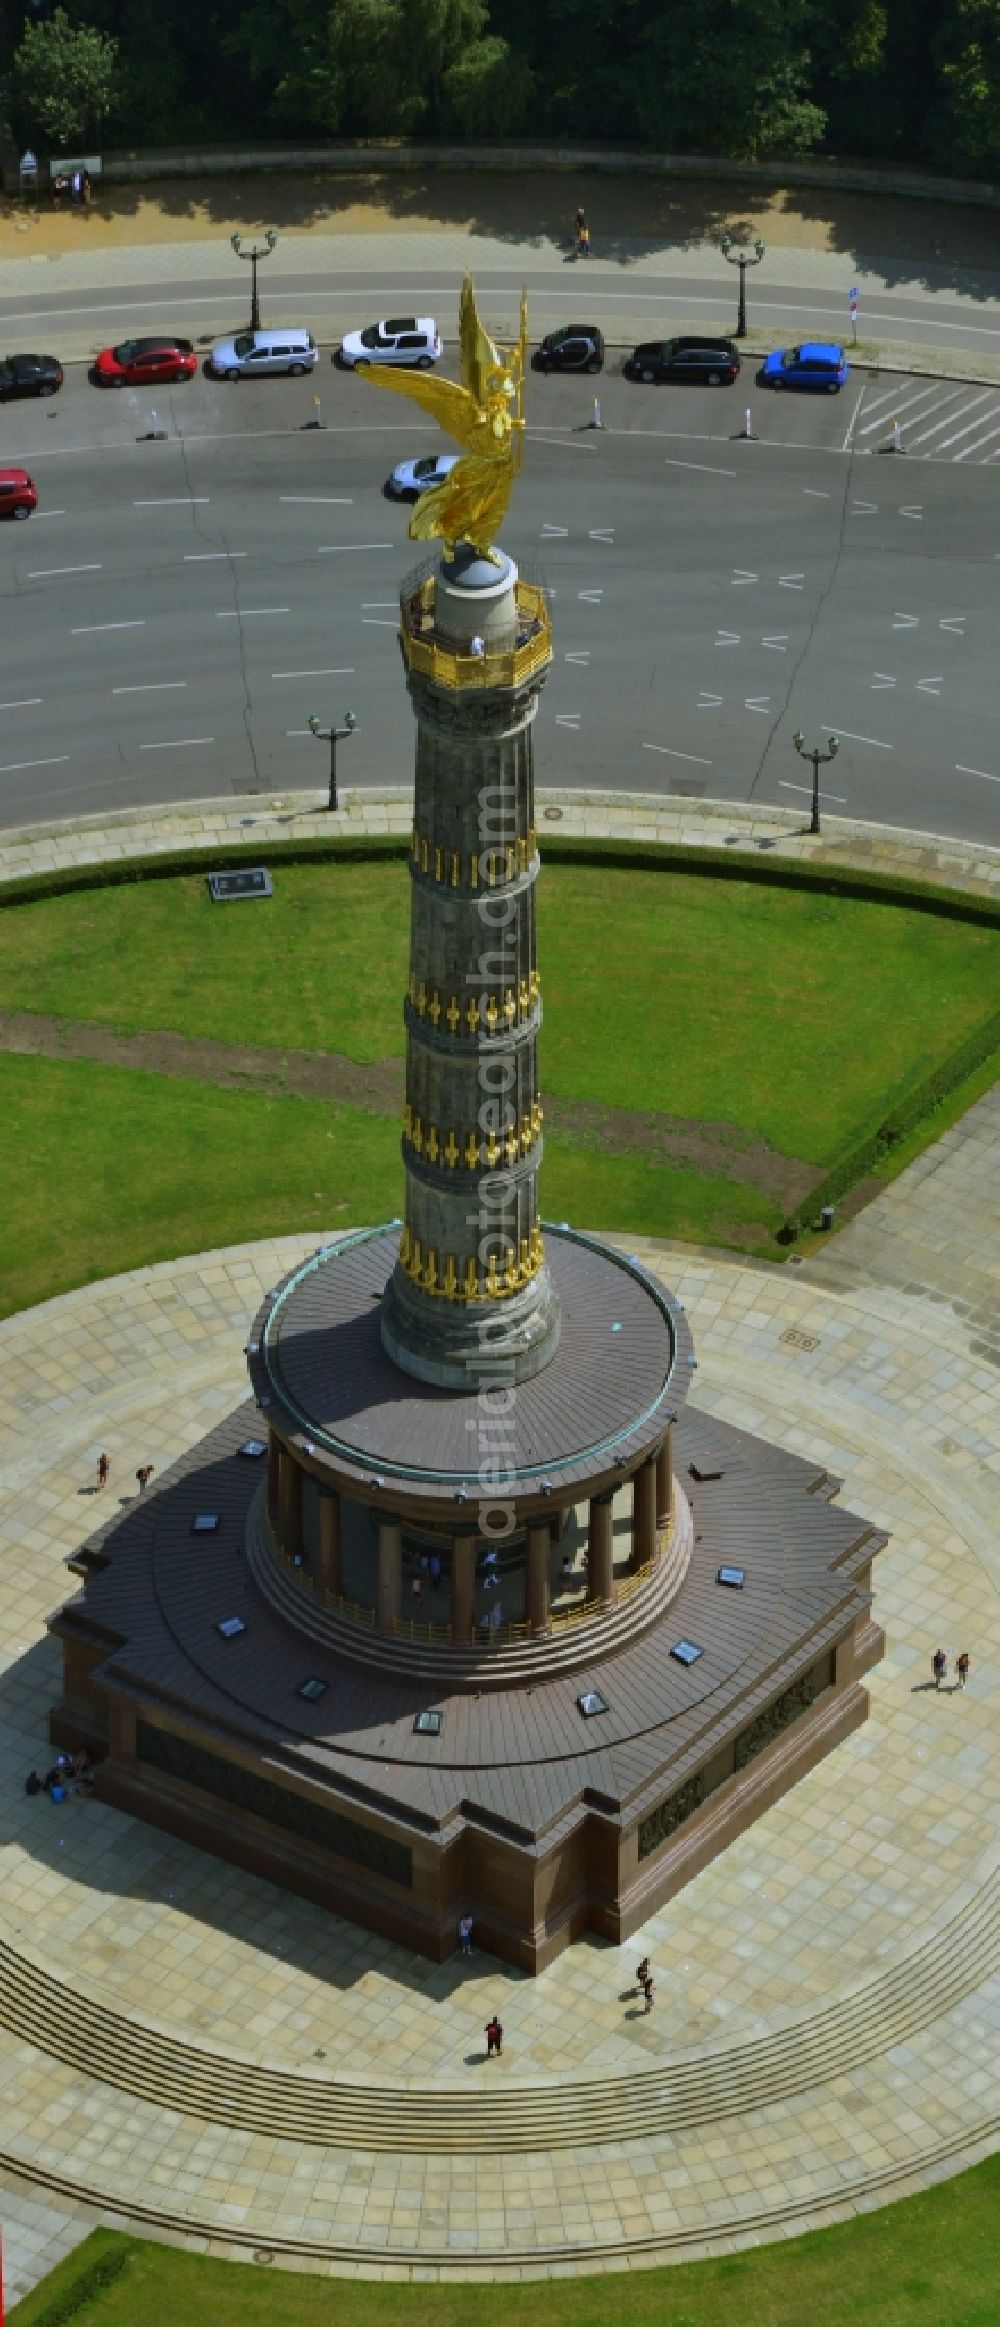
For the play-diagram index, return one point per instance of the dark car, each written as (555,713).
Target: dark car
(709,363)
(30,375)
(579,347)
(138,363)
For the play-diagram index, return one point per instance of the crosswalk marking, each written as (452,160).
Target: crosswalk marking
(980,440)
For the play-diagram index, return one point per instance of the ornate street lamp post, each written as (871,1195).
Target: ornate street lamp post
(333,736)
(742,259)
(255,253)
(819,760)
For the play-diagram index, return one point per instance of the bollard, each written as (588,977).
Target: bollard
(597,422)
(317,422)
(745,435)
(826,1216)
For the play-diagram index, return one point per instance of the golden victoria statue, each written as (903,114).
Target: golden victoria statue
(484,417)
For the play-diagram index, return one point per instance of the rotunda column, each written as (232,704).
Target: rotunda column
(289,1505)
(329,1566)
(389,1580)
(601,1551)
(273,1471)
(665,1481)
(644,1512)
(537,1593)
(463,1589)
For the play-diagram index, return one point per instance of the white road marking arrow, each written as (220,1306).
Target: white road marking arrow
(555,532)
(790,581)
(882,679)
(583,658)
(709,702)
(779,641)
(916,511)
(905,621)
(756,702)
(568,719)
(727,638)
(590,597)
(602,533)
(953,622)
(739,577)
(931,686)
(863,508)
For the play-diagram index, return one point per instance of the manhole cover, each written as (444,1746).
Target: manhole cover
(553,815)
(793,1339)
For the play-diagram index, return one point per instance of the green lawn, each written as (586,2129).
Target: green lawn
(784,1012)
(929,2261)
(795,1015)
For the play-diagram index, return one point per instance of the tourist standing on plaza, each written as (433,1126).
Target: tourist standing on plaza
(494,2038)
(103,1470)
(939,1667)
(144,1474)
(962,1668)
(465,1934)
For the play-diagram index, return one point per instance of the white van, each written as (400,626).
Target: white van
(253,353)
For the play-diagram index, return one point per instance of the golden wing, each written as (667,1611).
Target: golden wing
(466,506)
(452,407)
(479,355)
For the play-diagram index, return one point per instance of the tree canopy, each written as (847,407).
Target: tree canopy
(907,81)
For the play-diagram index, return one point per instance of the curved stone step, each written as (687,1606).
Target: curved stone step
(574,1643)
(301,2105)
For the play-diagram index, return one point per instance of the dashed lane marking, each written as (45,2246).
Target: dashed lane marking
(708,702)
(847,737)
(882,679)
(175,501)
(590,597)
(332,671)
(812,493)
(739,577)
(207,557)
(246,613)
(905,621)
(337,549)
(319,500)
(87,629)
(555,533)
(691,756)
(150,687)
(180,743)
(707,468)
(983,773)
(863,509)
(48,573)
(602,533)
(583,657)
(787,786)
(916,510)
(16,767)
(22,703)
(727,638)
(568,719)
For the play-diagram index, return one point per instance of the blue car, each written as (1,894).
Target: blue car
(819,363)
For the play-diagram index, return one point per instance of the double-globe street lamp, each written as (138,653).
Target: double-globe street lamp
(742,259)
(333,736)
(255,253)
(819,760)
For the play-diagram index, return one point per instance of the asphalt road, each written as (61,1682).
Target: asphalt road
(627,303)
(174,611)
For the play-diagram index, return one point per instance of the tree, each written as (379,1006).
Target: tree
(66,79)
(968,58)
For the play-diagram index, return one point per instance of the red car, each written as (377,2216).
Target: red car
(141,363)
(17,493)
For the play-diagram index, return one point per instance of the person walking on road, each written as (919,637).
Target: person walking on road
(962,1668)
(494,2038)
(939,1667)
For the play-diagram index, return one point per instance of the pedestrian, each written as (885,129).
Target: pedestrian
(643,1972)
(939,1667)
(416,1586)
(477,646)
(494,2038)
(32,1783)
(962,1668)
(144,1474)
(648,1990)
(465,1934)
(103,1470)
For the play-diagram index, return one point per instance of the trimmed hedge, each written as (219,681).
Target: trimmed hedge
(86,2283)
(906,1116)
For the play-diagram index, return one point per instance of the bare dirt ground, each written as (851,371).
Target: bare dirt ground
(721,1149)
(627,214)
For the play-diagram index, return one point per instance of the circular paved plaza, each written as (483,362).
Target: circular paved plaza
(185,2047)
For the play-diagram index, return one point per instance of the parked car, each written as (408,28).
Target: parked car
(410,479)
(30,375)
(708,363)
(579,347)
(256,355)
(18,496)
(405,339)
(820,363)
(140,363)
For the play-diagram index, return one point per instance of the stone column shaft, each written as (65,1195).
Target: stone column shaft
(463,1589)
(389,1580)
(644,1512)
(601,1551)
(273,1473)
(665,1481)
(537,1593)
(329,1565)
(289,1505)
